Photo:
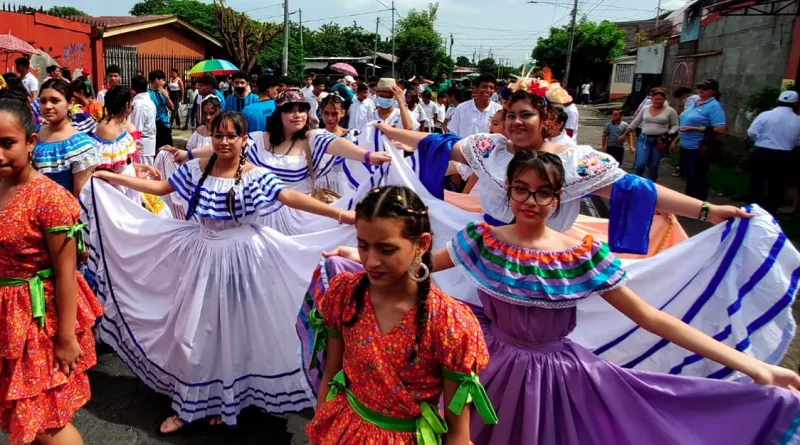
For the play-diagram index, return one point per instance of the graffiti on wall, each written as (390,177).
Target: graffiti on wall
(72,54)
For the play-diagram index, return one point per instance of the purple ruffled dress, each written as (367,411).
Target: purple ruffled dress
(547,390)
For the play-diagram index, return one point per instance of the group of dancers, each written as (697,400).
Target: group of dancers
(399,316)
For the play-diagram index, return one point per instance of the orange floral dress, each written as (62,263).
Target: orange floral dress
(377,366)
(33,398)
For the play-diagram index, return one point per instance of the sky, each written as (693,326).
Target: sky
(506,30)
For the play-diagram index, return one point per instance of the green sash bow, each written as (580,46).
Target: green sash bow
(73,231)
(36,286)
(429,426)
(470,390)
(321,334)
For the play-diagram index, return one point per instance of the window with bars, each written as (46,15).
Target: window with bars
(624,73)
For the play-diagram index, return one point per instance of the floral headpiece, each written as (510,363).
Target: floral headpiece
(3,84)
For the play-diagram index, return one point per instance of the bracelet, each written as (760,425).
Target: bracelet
(189,153)
(366,158)
(704,211)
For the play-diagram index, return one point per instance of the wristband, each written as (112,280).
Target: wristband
(189,153)
(366,158)
(704,211)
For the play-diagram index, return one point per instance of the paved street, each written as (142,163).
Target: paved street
(125,412)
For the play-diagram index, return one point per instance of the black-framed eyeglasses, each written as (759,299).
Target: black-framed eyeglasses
(542,197)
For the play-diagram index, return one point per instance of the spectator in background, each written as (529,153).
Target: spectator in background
(66,75)
(361,109)
(775,134)
(29,81)
(343,89)
(317,94)
(53,72)
(308,81)
(659,122)
(412,104)
(143,117)
(699,128)
(390,107)
(557,133)
(429,112)
(472,117)
(239,99)
(453,95)
(160,97)
(586,92)
(206,84)
(176,89)
(259,113)
(82,120)
(86,77)
(113,78)
(225,86)
(687,99)
(82,97)
(372,82)
(191,98)
(441,105)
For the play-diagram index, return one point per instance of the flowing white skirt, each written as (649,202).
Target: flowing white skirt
(208,317)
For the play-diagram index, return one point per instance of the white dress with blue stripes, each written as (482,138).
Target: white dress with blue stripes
(293,172)
(196,308)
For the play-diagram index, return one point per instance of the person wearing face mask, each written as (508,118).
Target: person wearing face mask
(388,96)
(240,97)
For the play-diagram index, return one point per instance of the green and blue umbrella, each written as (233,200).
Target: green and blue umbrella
(217,67)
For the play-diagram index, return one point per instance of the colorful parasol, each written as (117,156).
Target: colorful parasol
(217,67)
(344,68)
(11,44)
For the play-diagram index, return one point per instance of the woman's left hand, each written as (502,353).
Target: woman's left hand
(379,157)
(718,214)
(151,172)
(777,376)
(347,217)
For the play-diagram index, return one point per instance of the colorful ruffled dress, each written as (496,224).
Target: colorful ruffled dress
(191,306)
(81,120)
(34,398)
(380,398)
(550,390)
(117,156)
(61,160)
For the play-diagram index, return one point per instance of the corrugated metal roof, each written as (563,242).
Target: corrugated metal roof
(115,21)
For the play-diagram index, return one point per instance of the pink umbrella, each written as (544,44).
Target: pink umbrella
(11,44)
(344,68)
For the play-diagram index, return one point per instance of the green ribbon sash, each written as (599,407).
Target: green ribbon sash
(321,335)
(470,390)
(36,286)
(429,427)
(73,231)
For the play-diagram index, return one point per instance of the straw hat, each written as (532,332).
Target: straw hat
(558,95)
(385,84)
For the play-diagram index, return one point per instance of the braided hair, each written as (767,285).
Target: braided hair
(240,126)
(401,203)
(117,99)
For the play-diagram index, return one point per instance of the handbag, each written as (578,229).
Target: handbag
(322,194)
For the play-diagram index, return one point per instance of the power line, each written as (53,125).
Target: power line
(345,16)
(263,7)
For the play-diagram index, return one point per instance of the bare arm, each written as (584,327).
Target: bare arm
(413,138)
(471,183)
(605,139)
(79,180)
(457,424)
(670,328)
(346,149)
(301,201)
(674,122)
(63,253)
(158,188)
(440,260)
(333,364)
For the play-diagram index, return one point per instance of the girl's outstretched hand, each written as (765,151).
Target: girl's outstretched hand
(346,252)
(382,126)
(348,217)
(106,176)
(778,376)
(379,157)
(718,214)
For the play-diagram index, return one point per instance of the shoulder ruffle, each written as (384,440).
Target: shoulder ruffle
(76,153)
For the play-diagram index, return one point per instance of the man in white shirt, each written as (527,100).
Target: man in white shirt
(308,79)
(586,92)
(29,81)
(143,117)
(113,78)
(361,108)
(473,116)
(573,120)
(314,98)
(430,112)
(775,133)
(389,106)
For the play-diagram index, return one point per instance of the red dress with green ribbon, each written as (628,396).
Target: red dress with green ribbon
(380,398)
(33,398)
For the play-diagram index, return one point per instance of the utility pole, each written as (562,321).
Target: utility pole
(375,52)
(571,41)
(286,38)
(658,14)
(473,57)
(300,12)
(451,46)
(393,48)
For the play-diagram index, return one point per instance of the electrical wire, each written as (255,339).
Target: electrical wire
(262,7)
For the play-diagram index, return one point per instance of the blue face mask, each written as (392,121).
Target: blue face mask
(385,102)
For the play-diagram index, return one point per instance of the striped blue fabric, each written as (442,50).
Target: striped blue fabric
(55,157)
(256,194)
(319,142)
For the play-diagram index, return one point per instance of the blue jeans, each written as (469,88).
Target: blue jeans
(647,157)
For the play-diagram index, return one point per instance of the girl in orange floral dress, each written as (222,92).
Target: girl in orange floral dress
(395,342)
(46,308)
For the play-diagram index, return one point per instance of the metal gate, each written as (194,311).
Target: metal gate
(682,76)
(124,56)
(130,62)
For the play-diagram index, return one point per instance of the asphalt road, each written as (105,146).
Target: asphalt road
(123,411)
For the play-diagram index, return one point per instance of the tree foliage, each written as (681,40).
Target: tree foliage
(149,7)
(463,61)
(65,11)
(594,46)
(243,38)
(419,46)
(194,12)
(333,40)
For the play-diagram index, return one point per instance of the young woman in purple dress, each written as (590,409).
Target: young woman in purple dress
(547,389)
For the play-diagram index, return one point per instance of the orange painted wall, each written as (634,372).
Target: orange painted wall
(166,40)
(68,42)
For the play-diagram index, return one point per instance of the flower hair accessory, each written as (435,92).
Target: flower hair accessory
(3,84)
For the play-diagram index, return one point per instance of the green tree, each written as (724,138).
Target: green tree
(487,65)
(463,61)
(149,7)
(194,12)
(419,46)
(594,46)
(64,11)
(244,39)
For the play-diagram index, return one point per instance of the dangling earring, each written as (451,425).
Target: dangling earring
(412,270)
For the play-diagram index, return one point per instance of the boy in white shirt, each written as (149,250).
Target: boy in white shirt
(361,108)
(143,117)
(430,111)
(473,116)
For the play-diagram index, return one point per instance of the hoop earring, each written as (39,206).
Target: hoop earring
(426,273)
